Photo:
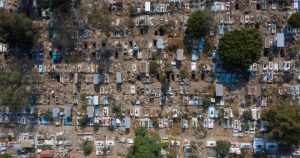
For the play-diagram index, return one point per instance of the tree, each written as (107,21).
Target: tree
(240,48)
(48,115)
(100,18)
(111,128)
(87,147)
(287,76)
(144,145)
(184,73)
(141,131)
(168,70)
(18,30)
(12,91)
(116,109)
(96,126)
(294,20)
(198,24)
(83,121)
(5,155)
(247,115)
(222,148)
(284,124)
(153,67)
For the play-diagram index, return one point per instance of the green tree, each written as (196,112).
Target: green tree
(284,124)
(83,121)
(168,70)
(294,20)
(12,91)
(116,109)
(184,73)
(153,67)
(48,115)
(5,155)
(141,131)
(222,148)
(247,115)
(18,30)
(144,145)
(87,147)
(96,126)
(111,128)
(240,48)
(100,18)
(198,24)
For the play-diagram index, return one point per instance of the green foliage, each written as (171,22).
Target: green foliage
(100,18)
(155,123)
(222,148)
(184,73)
(294,20)
(111,128)
(87,147)
(144,145)
(173,152)
(284,124)
(83,121)
(245,127)
(284,2)
(141,131)
(48,115)
(153,67)
(5,155)
(288,76)
(117,110)
(96,126)
(60,5)
(168,70)
(18,30)
(247,115)
(206,102)
(198,24)
(240,48)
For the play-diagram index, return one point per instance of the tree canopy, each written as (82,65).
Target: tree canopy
(222,148)
(5,155)
(18,30)
(247,115)
(294,20)
(198,24)
(144,145)
(12,93)
(284,124)
(87,147)
(240,48)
